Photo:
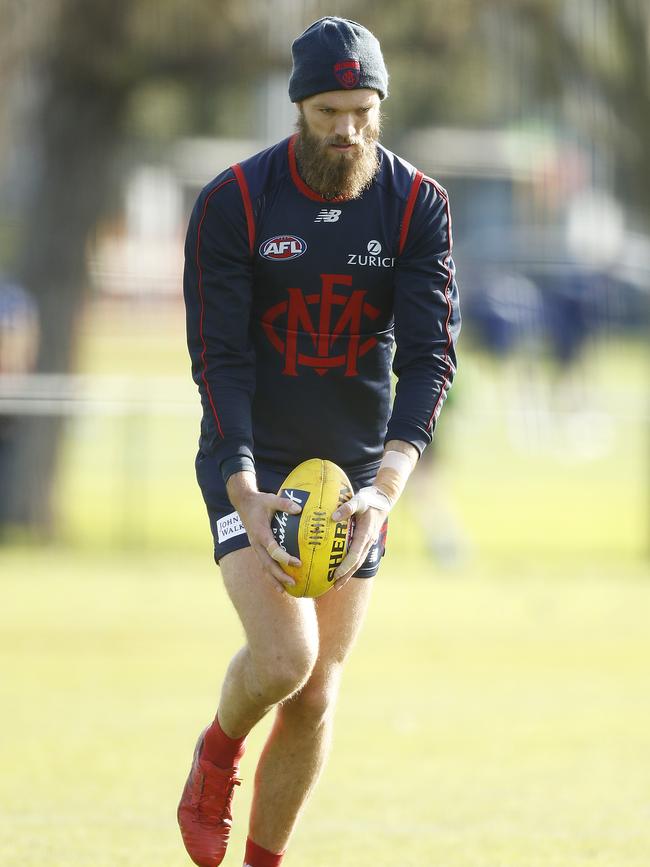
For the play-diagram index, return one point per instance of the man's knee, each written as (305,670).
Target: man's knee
(315,702)
(280,673)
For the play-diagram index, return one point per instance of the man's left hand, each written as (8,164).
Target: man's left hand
(371,508)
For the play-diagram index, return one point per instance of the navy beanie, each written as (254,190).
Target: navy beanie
(336,54)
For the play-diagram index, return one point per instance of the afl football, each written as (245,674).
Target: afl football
(319,487)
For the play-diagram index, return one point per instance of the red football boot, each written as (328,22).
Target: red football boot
(204,814)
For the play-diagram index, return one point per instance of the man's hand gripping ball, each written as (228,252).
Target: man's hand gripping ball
(371,506)
(256,510)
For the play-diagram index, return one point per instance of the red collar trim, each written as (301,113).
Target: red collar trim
(298,181)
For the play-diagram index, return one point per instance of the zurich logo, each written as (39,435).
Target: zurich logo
(373,258)
(281,248)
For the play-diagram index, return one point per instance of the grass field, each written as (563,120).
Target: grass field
(486,720)
(496,712)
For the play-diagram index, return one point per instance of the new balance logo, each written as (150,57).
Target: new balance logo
(326,216)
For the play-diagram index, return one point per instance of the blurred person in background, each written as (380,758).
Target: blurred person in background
(303,265)
(506,316)
(18,350)
(443,534)
(571,313)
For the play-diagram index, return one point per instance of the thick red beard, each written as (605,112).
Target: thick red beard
(344,176)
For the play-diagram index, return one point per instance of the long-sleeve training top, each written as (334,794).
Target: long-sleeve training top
(295,304)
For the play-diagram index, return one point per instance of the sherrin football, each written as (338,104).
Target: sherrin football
(320,543)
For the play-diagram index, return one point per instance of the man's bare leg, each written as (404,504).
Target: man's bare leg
(281,649)
(298,745)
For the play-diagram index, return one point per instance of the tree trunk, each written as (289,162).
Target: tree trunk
(78,133)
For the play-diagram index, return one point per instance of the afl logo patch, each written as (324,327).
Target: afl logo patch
(282,248)
(347,73)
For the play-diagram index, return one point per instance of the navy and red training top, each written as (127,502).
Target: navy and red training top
(294,303)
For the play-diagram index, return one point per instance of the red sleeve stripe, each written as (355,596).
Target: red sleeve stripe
(408,211)
(201,297)
(248,205)
(441,396)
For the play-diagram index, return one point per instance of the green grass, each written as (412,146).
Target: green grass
(486,720)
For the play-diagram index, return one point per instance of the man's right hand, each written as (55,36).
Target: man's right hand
(255,511)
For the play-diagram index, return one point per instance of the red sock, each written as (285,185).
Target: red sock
(256,856)
(218,748)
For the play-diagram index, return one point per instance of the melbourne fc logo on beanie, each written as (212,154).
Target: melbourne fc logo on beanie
(347,73)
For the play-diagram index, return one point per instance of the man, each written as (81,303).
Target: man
(19,338)
(301,264)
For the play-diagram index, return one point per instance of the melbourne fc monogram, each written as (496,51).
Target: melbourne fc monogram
(339,318)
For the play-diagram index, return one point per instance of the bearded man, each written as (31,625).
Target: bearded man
(306,265)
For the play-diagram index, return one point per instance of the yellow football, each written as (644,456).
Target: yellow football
(320,543)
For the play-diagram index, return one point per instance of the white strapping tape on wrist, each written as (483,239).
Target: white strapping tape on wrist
(397,461)
(393,473)
(372,497)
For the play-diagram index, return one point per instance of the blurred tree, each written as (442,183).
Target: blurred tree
(593,60)
(96,58)
(83,88)
(438,59)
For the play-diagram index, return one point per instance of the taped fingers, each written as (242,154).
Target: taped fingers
(348,568)
(351,562)
(347,564)
(273,569)
(277,553)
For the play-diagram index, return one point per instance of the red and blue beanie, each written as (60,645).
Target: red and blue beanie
(336,54)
